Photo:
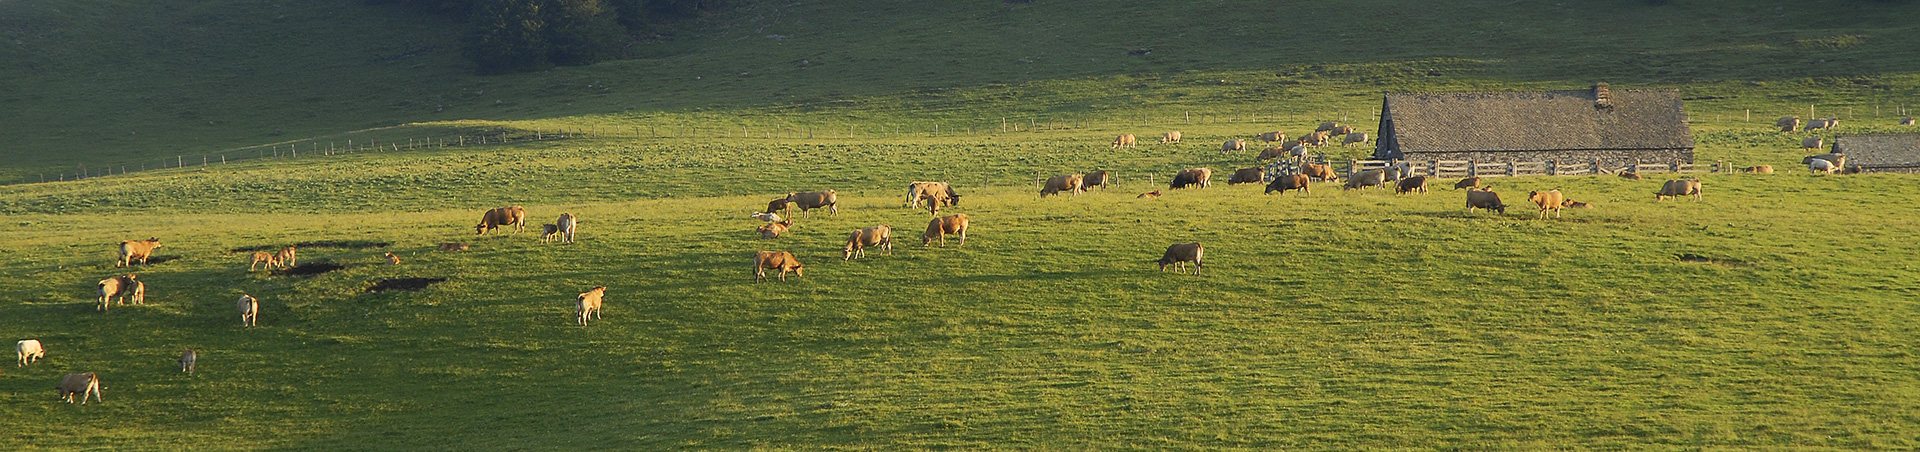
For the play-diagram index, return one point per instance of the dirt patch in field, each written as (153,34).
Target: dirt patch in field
(308,269)
(156,259)
(408,284)
(346,244)
(1691,257)
(249,249)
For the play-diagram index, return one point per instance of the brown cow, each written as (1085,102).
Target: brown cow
(1324,172)
(938,228)
(1170,137)
(587,305)
(114,290)
(84,384)
(1180,253)
(1471,182)
(1247,176)
(288,257)
(137,249)
(773,230)
(1342,130)
(1411,184)
(1762,169)
(1286,182)
(1907,121)
(1094,179)
(1123,141)
(782,260)
(814,200)
(1202,177)
(1551,200)
(1575,204)
(878,236)
(392,259)
(780,204)
(1070,183)
(1631,175)
(1271,153)
(1272,136)
(1317,139)
(1233,145)
(263,257)
(515,216)
(1677,188)
(139,296)
(1151,194)
(1485,199)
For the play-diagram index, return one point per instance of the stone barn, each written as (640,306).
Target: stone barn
(1617,127)
(1886,153)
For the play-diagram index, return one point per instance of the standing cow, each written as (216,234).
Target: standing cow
(878,236)
(137,249)
(249,308)
(500,217)
(1094,179)
(782,260)
(1123,141)
(188,359)
(1070,183)
(939,228)
(1233,145)
(587,305)
(29,351)
(567,225)
(1247,176)
(1170,137)
(83,384)
(814,200)
(1550,200)
(1288,182)
(1202,177)
(1181,253)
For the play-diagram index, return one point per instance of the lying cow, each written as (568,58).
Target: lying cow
(1327,127)
(1571,204)
(1761,169)
(814,200)
(1247,176)
(1180,253)
(137,249)
(1481,199)
(773,230)
(1369,178)
(938,228)
(1151,194)
(1411,184)
(782,260)
(500,217)
(587,305)
(84,384)
(878,236)
(1286,182)
(392,259)
(1678,188)
(29,351)
(1070,183)
(1631,175)
(1551,200)
(1202,177)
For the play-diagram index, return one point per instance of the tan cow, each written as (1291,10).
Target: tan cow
(1070,183)
(1678,188)
(919,190)
(1123,141)
(938,228)
(1180,253)
(1342,130)
(1233,145)
(1369,178)
(1356,137)
(1151,194)
(1485,199)
(139,291)
(137,249)
(1411,184)
(1271,153)
(289,257)
(188,359)
(1202,177)
(1761,169)
(1551,200)
(933,200)
(780,205)
(1631,175)
(1324,172)
(1247,176)
(1272,136)
(814,200)
(515,216)
(878,236)
(29,351)
(775,259)
(1170,137)
(114,289)
(773,230)
(587,306)
(1285,182)
(1471,182)
(1787,123)
(249,308)
(85,384)
(263,257)
(1316,139)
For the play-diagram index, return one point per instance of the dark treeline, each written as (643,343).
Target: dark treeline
(507,36)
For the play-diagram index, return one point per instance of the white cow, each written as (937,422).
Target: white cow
(29,351)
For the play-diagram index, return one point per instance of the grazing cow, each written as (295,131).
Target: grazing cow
(1481,199)
(1070,183)
(1369,178)
(1356,137)
(918,190)
(934,199)
(1317,139)
(814,200)
(1324,172)
(1272,136)
(449,246)
(1094,179)
(1810,143)
(568,223)
(1233,145)
(1762,169)
(1839,160)
(1285,182)
(249,308)
(857,242)
(1631,175)
(767,217)
(515,216)
(1151,194)
(1342,130)
(1247,176)
(587,306)
(1551,200)
(548,232)
(1202,177)
(1411,184)
(782,260)
(1170,137)
(1180,253)
(1123,141)
(1821,123)
(1575,204)
(1787,123)
(780,205)
(1820,166)
(29,351)
(137,249)
(288,257)
(85,384)
(1678,188)
(188,359)
(115,289)
(1272,153)
(1471,182)
(263,257)
(773,230)
(938,228)
(1327,127)
(392,259)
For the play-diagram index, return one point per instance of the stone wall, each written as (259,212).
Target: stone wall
(1607,158)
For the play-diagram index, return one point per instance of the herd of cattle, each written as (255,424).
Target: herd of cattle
(122,289)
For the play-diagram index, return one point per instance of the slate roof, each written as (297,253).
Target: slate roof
(1533,121)
(1880,150)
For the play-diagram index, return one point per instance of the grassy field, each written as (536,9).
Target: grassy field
(1775,314)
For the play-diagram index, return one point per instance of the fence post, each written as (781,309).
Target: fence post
(1596,167)
(1473,168)
(1433,168)
(1674,167)
(1353,166)
(1510,169)
(1553,167)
